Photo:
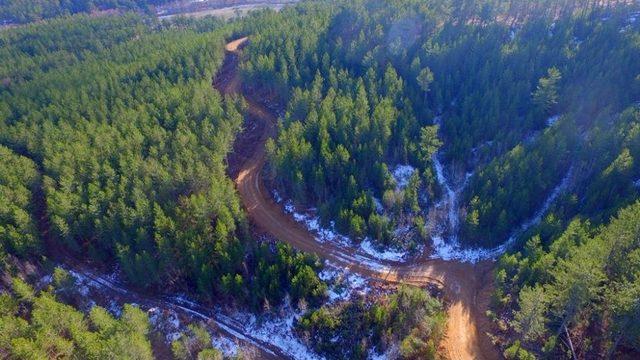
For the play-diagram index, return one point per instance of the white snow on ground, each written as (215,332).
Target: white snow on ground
(106,282)
(227,346)
(154,315)
(312,223)
(46,280)
(277,197)
(552,27)
(552,120)
(114,308)
(275,329)
(391,353)
(402,174)
(447,247)
(450,199)
(172,326)
(451,249)
(276,333)
(577,41)
(389,255)
(633,17)
(342,283)
(378,204)
(366,256)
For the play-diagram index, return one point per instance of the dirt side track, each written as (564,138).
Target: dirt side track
(467,287)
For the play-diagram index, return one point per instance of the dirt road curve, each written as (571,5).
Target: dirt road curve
(467,287)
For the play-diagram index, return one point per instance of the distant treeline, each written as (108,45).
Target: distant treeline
(25,11)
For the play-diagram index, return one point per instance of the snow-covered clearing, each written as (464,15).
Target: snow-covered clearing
(228,347)
(275,329)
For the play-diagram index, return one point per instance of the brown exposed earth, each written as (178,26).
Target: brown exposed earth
(467,287)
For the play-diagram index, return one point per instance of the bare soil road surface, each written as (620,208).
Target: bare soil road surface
(467,287)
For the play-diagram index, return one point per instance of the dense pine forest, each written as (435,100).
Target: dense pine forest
(131,141)
(114,123)
(507,128)
(520,102)
(486,89)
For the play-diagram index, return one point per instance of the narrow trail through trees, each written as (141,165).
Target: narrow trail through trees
(467,286)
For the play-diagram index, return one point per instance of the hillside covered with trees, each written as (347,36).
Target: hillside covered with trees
(507,128)
(121,120)
(536,106)
(372,87)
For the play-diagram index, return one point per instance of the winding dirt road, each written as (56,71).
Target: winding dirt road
(467,287)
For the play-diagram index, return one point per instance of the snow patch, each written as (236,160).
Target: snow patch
(312,223)
(170,325)
(391,353)
(378,204)
(342,283)
(277,330)
(114,308)
(154,315)
(552,120)
(389,255)
(45,280)
(446,244)
(402,174)
(168,320)
(452,250)
(577,41)
(276,196)
(227,346)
